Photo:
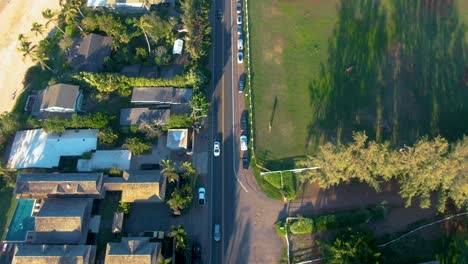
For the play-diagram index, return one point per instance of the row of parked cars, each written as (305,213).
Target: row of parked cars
(240,41)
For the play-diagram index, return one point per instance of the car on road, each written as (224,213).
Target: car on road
(240,57)
(243,143)
(240,44)
(239,30)
(216,149)
(239,19)
(217,232)
(196,251)
(219,14)
(150,166)
(201,196)
(244,120)
(245,162)
(241,83)
(239,7)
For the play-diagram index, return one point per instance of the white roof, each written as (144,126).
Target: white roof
(96,3)
(177,138)
(178,45)
(39,149)
(106,159)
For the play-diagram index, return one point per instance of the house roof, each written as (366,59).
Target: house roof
(106,159)
(132,250)
(58,95)
(39,149)
(62,221)
(59,183)
(54,254)
(161,95)
(177,138)
(90,52)
(139,116)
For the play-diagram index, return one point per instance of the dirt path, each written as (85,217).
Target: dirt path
(17,18)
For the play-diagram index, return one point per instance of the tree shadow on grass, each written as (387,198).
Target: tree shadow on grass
(397,76)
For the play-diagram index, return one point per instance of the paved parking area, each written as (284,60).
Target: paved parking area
(148,217)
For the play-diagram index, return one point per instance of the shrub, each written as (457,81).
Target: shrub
(87,155)
(115,172)
(123,208)
(302,226)
(274,179)
(133,129)
(137,146)
(179,121)
(280,228)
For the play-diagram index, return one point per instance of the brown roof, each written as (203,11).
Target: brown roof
(161,95)
(58,95)
(54,254)
(90,52)
(132,250)
(59,184)
(138,116)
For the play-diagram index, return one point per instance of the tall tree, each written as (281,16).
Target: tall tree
(71,14)
(51,17)
(137,146)
(38,29)
(169,171)
(180,236)
(143,25)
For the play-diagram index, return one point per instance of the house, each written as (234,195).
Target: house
(63,221)
(132,250)
(57,98)
(39,149)
(106,159)
(54,254)
(161,95)
(178,46)
(140,116)
(124,5)
(49,185)
(177,138)
(141,186)
(88,53)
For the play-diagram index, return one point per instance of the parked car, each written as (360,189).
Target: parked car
(217,149)
(196,251)
(243,143)
(239,30)
(217,232)
(239,19)
(243,120)
(240,44)
(245,162)
(201,196)
(240,57)
(239,7)
(219,14)
(241,83)
(150,166)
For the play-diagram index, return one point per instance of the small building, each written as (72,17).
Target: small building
(140,116)
(88,53)
(123,5)
(63,221)
(177,138)
(161,95)
(54,254)
(106,159)
(50,185)
(141,186)
(178,47)
(39,149)
(132,250)
(117,222)
(58,98)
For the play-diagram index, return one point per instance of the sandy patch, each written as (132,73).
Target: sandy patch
(17,18)
(274,53)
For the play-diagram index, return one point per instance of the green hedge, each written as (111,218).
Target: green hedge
(336,221)
(288,190)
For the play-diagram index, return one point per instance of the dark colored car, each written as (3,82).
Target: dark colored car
(239,30)
(196,251)
(244,121)
(239,7)
(241,83)
(150,166)
(245,162)
(219,13)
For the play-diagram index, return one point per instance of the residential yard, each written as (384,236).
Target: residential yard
(323,69)
(108,207)
(7,208)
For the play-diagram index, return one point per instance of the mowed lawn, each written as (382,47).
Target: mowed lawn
(321,71)
(289,40)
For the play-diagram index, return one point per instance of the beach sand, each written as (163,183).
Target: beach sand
(17,18)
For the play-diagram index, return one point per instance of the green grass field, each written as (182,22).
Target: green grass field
(323,69)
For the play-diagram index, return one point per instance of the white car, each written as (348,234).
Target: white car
(240,44)
(243,143)
(201,196)
(217,149)
(239,7)
(239,19)
(240,57)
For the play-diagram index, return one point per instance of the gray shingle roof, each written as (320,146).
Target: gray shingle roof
(89,53)
(59,184)
(58,95)
(54,254)
(138,116)
(132,250)
(161,95)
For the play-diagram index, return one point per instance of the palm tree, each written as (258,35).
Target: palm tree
(22,37)
(40,57)
(26,48)
(143,24)
(77,4)
(188,169)
(38,29)
(70,15)
(169,171)
(180,236)
(51,18)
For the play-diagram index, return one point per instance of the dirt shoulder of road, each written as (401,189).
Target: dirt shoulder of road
(17,18)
